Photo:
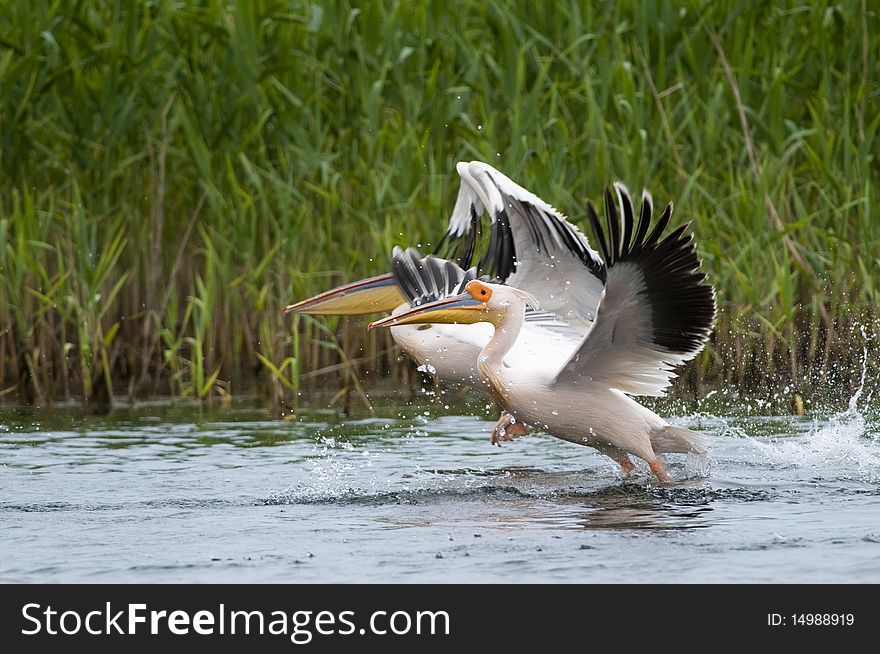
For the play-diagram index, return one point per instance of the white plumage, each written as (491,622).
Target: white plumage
(652,310)
(530,245)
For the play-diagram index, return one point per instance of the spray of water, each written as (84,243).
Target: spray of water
(843,446)
(338,471)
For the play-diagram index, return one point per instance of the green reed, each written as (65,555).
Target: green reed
(175,173)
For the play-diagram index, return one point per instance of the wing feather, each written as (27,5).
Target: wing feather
(531,245)
(426,279)
(657,310)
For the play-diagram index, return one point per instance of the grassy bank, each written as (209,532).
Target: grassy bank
(173,175)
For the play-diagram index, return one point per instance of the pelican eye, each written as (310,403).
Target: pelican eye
(478,291)
(422,328)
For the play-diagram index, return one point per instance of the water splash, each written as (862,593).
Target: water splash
(846,445)
(697,466)
(843,447)
(339,469)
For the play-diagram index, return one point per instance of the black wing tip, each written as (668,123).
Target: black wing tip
(618,244)
(686,302)
(631,238)
(598,232)
(429,278)
(683,302)
(627,217)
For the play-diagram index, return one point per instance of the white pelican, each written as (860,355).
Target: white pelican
(654,310)
(530,245)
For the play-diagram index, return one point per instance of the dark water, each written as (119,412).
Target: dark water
(164,495)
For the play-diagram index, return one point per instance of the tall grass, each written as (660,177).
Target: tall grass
(174,174)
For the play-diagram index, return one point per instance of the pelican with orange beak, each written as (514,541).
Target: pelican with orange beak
(655,310)
(530,245)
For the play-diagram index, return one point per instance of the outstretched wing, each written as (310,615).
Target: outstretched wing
(657,310)
(530,245)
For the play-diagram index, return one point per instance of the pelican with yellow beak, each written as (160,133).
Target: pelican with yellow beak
(530,245)
(653,311)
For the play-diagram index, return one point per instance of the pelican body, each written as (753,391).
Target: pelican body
(531,245)
(654,311)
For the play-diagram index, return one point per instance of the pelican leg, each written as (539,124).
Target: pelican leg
(618,455)
(626,465)
(507,428)
(659,469)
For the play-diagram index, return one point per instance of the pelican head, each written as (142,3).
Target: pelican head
(371,295)
(480,302)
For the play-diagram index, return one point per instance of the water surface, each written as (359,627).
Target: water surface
(160,494)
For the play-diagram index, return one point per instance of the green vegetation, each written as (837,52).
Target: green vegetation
(173,174)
